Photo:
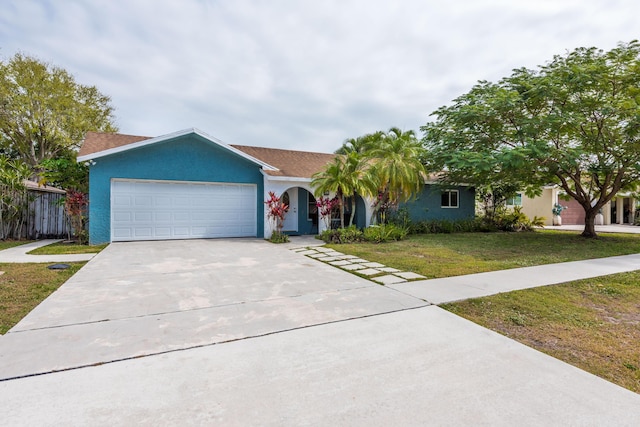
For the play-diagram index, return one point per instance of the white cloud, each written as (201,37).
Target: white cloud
(305,74)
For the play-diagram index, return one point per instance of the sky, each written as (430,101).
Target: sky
(302,75)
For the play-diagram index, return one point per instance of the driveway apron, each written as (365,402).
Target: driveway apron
(141,298)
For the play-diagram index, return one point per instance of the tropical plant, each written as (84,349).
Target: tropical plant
(397,167)
(75,205)
(345,175)
(276,211)
(14,198)
(325,207)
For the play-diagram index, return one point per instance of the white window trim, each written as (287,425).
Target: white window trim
(513,198)
(457,206)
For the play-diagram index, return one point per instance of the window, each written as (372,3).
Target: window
(449,199)
(515,200)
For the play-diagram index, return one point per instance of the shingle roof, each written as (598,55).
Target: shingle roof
(299,164)
(291,163)
(100,141)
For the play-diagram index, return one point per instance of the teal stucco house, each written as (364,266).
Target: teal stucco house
(190,185)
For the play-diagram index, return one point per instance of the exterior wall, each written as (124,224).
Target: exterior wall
(427,205)
(541,206)
(186,158)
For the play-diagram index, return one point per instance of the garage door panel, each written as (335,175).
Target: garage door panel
(176,210)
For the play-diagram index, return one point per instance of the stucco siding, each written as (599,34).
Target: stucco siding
(427,205)
(186,158)
(540,206)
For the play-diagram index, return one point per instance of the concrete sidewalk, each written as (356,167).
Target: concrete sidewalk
(438,291)
(422,366)
(18,254)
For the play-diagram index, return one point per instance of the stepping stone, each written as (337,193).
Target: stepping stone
(308,252)
(1,273)
(317,256)
(353,267)
(350,257)
(389,270)
(358,260)
(298,249)
(369,271)
(373,264)
(334,253)
(389,279)
(328,259)
(409,275)
(325,250)
(340,263)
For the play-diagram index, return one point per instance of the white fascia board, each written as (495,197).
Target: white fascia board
(168,136)
(284,178)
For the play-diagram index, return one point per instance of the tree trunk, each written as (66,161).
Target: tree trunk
(341,212)
(590,223)
(353,209)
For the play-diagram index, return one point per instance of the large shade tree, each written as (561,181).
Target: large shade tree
(574,122)
(44,111)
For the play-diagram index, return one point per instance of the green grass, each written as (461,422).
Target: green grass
(593,324)
(62,248)
(445,255)
(12,243)
(24,286)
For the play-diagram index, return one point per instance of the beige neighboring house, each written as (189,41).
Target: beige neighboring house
(620,210)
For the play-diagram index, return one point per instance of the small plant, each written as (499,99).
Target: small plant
(75,206)
(276,211)
(325,207)
(557,209)
(277,237)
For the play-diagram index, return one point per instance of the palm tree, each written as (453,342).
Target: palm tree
(396,163)
(344,175)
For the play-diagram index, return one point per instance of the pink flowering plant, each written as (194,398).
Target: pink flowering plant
(276,211)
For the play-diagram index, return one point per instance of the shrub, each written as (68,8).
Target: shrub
(385,233)
(350,234)
(278,237)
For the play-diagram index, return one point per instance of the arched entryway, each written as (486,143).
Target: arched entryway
(302,217)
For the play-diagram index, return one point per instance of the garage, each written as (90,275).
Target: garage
(163,210)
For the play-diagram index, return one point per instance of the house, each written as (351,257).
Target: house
(620,210)
(188,184)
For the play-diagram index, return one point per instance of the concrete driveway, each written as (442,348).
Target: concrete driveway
(143,298)
(243,332)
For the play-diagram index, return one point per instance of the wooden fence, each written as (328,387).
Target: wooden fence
(33,213)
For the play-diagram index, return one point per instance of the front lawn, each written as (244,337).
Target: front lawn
(62,248)
(6,244)
(593,324)
(24,286)
(445,255)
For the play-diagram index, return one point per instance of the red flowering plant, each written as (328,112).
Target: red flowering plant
(382,205)
(325,208)
(276,211)
(75,205)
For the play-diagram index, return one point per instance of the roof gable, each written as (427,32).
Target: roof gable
(98,145)
(275,162)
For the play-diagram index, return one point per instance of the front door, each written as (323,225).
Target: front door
(290,197)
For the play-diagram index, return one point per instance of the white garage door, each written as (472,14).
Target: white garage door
(161,210)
